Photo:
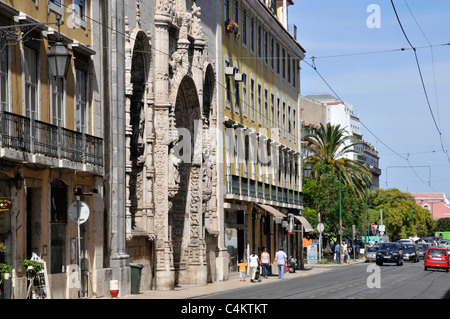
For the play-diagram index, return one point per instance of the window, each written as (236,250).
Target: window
(266,58)
(278,113)
(252,34)
(237,98)
(244,27)
(278,58)
(252,99)
(236,155)
(226,11)
(258,40)
(236,11)
(227,87)
(31,83)
(272,62)
(244,94)
(56,6)
(283,65)
(289,68)
(259,105)
(289,121)
(81,102)
(294,71)
(80,8)
(57,101)
(284,119)
(4,105)
(266,108)
(294,118)
(58,222)
(272,107)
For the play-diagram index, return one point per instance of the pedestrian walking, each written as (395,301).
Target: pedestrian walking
(337,253)
(242,269)
(253,264)
(280,260)
(265,263)
(344,251)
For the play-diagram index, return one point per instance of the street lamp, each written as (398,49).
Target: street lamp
(59,57)
(307,169)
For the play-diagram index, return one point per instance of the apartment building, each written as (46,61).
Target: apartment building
(51,146)
(260,119)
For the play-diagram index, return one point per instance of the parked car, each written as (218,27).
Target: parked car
(422,250)
(410,252)
(371,253)
(390,253)
(436,257)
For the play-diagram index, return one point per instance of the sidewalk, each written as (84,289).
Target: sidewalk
(191,291)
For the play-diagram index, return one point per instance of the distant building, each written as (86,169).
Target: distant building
(436,203)
(325,108)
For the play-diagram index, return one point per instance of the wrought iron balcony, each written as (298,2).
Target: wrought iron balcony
(246,187)
(37,137)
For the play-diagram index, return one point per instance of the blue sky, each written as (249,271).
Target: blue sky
(385,88)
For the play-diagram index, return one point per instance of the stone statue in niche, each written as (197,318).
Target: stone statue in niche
(174,167)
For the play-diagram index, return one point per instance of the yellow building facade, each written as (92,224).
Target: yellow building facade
(51,149)
(261,129)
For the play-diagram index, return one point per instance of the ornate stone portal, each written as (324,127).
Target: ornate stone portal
(170,183)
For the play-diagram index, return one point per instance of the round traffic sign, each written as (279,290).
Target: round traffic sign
(79,211)
(320,227)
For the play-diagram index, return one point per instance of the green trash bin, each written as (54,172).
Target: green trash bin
(136,270)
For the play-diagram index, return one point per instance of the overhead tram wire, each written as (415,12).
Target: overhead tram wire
(421,77)
(377,52)
(393,151)
(124,35)
(433,64)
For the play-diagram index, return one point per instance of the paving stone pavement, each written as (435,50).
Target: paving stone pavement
(191,291)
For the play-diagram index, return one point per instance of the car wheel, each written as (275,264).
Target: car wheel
(425,268)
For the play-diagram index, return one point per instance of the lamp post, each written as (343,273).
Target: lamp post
(340,218)
(307,169)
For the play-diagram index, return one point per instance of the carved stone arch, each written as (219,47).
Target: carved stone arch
(185,213)
(137,78)
(209,93)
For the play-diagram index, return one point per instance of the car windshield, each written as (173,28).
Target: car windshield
(408,246)
(372,249)
(437,252)
(388,246)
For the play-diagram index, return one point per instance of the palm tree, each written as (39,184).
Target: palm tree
(329,146)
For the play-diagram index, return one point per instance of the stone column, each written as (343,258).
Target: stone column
(164,257)
(115,143)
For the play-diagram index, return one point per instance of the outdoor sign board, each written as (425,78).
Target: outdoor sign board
(5,205)
(312,253)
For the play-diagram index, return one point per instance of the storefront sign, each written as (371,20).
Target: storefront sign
(5,205)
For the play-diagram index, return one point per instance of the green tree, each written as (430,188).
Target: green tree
(330,146)
(402,217)
(321,195)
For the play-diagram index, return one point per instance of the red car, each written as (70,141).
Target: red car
(436,257)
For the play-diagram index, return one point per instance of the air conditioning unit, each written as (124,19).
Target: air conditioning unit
(229,71)
(238,77)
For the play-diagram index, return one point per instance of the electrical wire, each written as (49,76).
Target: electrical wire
(421,78)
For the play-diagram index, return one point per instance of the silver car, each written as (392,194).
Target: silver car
(371,253)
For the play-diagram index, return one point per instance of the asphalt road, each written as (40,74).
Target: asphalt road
(358,281)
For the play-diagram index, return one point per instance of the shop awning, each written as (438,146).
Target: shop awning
(305,223)
(272,211)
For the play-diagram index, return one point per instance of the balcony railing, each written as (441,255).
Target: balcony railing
(243,186)
(33,136)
